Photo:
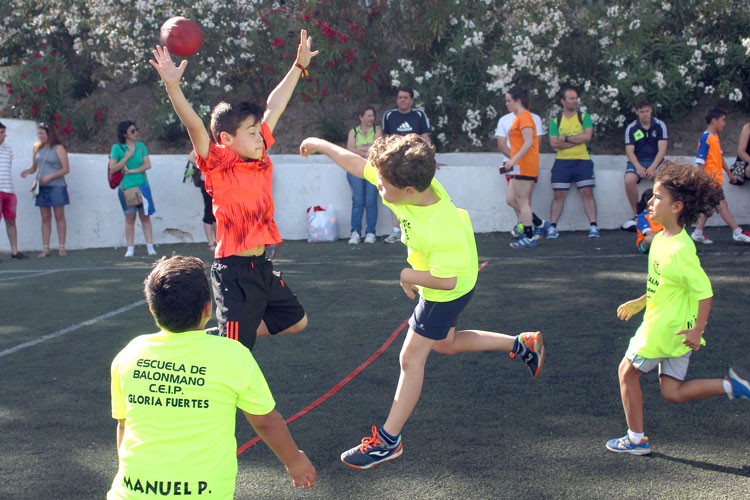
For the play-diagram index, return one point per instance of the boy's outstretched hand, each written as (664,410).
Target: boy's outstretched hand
(630,308)
(304,49)
(302,472)
(310,146)
(169,72)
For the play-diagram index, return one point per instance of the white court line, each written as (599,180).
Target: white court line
(71,328)
(30,275)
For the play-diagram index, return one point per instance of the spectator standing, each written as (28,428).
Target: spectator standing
(645,147)
(502,133)
(131,157)
(50,163)
(8,200)
(743,155)
(523,165)
(402,120)
(570,133)
(364,194)
(209,221)
(710,158)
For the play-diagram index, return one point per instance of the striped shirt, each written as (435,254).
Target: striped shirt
(6,162)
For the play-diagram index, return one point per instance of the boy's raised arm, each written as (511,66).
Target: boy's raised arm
(279,97)
(171,75)
(351,162)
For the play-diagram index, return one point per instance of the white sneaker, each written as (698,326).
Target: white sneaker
(393,237)
(743,236)
(354,240)
(701,238)
(370,238)
(629,225)
(151,251)
(130,252)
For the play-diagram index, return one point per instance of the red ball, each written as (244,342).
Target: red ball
(182,36)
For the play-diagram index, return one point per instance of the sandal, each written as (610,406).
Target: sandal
(61,251)
(44,253)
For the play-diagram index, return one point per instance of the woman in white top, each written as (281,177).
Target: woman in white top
(50,163)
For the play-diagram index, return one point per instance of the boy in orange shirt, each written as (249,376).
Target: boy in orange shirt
(251,300)
(710,157)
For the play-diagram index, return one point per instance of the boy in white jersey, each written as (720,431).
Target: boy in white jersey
(444,266)
(678,301)
(175,396)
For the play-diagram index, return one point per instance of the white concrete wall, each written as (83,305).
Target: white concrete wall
(95,219)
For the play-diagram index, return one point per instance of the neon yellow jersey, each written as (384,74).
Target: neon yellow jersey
(179,394)
(676,283)
(571,126)
(439,239)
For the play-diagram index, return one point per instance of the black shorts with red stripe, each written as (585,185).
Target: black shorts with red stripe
(247,290)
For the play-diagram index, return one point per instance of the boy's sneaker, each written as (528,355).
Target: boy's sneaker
(594,232)
(354,240)
(541,230)
(552,233)
(371,452)
(625,445)
(370,238)
(743,236)
(517,230)
(740,380)
(523,242)
(700,238)
(394,237)
(129,252)
(529,346)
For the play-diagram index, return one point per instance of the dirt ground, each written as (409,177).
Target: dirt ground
(301,120)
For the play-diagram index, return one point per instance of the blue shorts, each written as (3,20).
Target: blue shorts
(433,320)
(630,168)
(566,172)
(52,196)
(145,208)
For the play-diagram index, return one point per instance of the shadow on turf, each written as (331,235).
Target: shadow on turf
(737,471)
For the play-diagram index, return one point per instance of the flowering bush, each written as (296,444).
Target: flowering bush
(40,85)
(87,116)
(459,55)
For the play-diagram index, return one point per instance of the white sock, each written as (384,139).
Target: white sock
(150,247)
(635,437)
(727,386)
(698,232)
(131,249)
(738,231)
(396,229)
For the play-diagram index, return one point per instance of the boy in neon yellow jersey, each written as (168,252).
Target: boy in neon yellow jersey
(175,396)
(444,267)
(678,301)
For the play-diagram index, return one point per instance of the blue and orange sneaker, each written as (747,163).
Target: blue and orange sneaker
(529,346)
(625,445)
(371,452)
(740,380)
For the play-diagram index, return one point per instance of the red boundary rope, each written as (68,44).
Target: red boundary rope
(336,388)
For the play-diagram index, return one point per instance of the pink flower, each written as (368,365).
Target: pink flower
(278,42)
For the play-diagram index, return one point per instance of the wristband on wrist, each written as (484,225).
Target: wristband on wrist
(304,71)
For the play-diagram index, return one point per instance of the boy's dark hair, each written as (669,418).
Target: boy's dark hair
(690,185)
(2,127)
(643,202)
(519,93)
(227,116)
(408,90)
(642,101)
(122,130)
(714,114)
(404,160)
(176,291)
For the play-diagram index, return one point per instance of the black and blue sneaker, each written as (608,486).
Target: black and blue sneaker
(740,380)
(529,346)
(372,451)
